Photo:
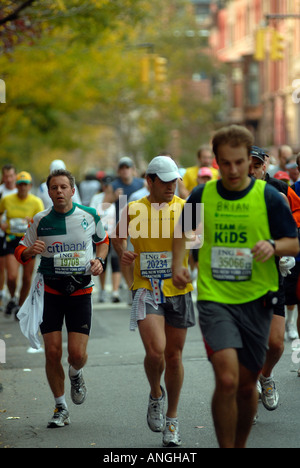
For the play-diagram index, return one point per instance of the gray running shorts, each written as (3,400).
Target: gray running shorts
(244,327)
(178,311)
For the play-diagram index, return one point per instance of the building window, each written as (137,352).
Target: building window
(252,85)
(202,10)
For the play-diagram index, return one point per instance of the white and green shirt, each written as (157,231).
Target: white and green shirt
(68,237)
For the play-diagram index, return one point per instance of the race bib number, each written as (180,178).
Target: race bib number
(18,225)
(156,265)
(69,263)
(231,264)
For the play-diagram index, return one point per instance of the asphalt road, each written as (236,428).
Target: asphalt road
(114,414)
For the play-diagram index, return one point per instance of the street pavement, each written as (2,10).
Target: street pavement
(114,414)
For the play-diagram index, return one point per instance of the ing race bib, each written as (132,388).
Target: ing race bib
(231,264)
(70,263)
(156,265)
(18,225)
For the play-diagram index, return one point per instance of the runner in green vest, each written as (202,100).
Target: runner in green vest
(246,222)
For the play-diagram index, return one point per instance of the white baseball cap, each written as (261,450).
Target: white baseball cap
(164,167)
(56,165)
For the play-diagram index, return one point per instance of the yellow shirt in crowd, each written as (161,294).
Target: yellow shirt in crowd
(18,211)
(190,177)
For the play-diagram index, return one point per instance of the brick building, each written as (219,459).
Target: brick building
(261,91)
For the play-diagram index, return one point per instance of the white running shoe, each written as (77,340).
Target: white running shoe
(171,436)
(156,418)
(78,389)
(291,331)
(60,418)
(269,394)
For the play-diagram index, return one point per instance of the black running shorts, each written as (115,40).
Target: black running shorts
(10,246)
(292,286)
(75,310)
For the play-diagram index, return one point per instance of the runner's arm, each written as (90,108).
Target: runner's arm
(180,274)
(119,239)
(4,225)
(184,233)
(103,247)
(24,254)
(102,252)
(286,246)
(30,245)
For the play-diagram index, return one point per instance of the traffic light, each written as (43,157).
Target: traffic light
(160,69)
(277,46)
(260,44)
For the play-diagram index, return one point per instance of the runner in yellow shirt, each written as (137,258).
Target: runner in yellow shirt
(204,159)
(19,209)
(160,310)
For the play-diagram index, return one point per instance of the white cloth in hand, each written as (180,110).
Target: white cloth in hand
(286,264)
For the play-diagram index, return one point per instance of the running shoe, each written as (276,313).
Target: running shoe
(156,418)
(60,418)
(115,297)
(78,389)
(171,436)
(102,296)
(269,394)
(15,311)
(11,306)
(291,331)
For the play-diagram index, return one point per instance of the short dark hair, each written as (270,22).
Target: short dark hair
(202,149)
(152,176)
(61,172)
(8,167)
(233,135)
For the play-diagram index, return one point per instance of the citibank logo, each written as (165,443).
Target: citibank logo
(59,247)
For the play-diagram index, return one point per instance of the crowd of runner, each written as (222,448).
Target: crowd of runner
(231,221)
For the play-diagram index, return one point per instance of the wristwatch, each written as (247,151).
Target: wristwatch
(101,261)
(272,242)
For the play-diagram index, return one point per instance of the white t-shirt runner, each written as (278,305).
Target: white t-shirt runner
(68,237)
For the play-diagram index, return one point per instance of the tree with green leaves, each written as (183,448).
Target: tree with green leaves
(75,89)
